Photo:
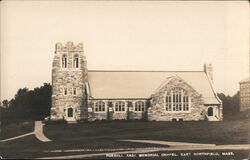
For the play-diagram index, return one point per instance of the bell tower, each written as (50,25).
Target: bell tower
(69,76)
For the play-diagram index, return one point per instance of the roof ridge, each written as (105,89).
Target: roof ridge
(213,89)
(139,71)
(138,84)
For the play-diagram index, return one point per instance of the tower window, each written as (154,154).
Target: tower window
(74,91)
(76,61)
(64,61)
(65,91)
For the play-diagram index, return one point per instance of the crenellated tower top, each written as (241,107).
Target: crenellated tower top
(69,47)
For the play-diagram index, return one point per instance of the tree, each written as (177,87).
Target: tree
(29,104)
(231,105)
(5,103)
(235,101)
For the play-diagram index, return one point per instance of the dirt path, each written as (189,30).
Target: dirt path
(38,132)
(168,143)
(194,146)
(17,137)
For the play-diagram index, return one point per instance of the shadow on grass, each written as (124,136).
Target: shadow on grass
(16,129)
(223,132)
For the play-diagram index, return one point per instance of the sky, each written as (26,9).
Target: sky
(125,35)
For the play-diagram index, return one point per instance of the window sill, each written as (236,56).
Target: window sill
(64,69)
(138,111)
(70,95)
(70,69)
(177,111)
(76,69)
(100,112)
(120,111)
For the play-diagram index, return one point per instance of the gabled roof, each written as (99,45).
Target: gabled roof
(141,84)
(167,80)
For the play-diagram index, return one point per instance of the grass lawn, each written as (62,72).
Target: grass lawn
(224,132)
(105,135)
(15,129)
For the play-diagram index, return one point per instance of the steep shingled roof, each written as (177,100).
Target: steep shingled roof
(141,84)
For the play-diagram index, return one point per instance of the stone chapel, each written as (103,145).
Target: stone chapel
(82,94)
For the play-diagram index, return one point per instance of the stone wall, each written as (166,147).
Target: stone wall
(111,114)
(217,112)
(92,115)
(68,78)
(157,111)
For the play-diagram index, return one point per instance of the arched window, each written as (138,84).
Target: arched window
(64,61)
(210,111)
(100,106)
(140,106)
(76,61)
(177,100)
(120,106)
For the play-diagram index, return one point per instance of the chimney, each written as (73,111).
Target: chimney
(208,69)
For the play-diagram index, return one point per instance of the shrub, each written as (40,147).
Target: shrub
(53,122)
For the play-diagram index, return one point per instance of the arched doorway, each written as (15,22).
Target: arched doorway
(70,112)
(210,111)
